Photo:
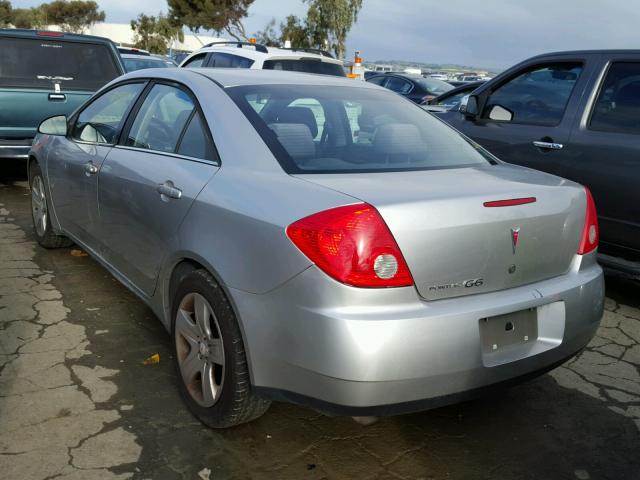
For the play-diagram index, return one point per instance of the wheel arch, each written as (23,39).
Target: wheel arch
(177,270)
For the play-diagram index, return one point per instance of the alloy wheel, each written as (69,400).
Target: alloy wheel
(39,205)
(199,348)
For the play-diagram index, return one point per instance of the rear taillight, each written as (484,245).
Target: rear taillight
(590,232)
(353,245)
(50,34)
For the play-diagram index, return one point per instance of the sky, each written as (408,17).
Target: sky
(480,33)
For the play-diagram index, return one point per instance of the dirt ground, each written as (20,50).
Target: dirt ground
(76,401)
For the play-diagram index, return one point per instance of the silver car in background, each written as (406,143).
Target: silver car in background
(318,240)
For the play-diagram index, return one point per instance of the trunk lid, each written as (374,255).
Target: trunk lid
(456,246)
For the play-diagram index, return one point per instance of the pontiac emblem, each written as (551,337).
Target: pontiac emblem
(515,234)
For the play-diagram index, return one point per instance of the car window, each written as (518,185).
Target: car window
(226,60)
(379,80)
(398,85)
(26,62)
(196,61)
(358,130)
(454,99)
(161,119)
(617,108)
(141,62)
(538,96)
(305,65)
(100,121)
(433,86)
(195,141)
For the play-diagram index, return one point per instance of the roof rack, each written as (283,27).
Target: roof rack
(324,53)
(259,47)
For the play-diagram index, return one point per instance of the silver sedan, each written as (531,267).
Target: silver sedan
(318,240)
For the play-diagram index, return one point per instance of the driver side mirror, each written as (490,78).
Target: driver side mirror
(470,108)
(54,126)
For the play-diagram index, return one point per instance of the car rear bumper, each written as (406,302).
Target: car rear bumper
(370,352)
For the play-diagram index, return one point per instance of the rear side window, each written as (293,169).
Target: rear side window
(538,96)
(39,63)
(306,66)
(226,60)
(161,119)
(195,62)
(617,108)
(141,62)
(398,85)
(100,120)
(195,141)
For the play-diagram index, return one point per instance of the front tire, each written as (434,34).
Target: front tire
(210,360)
(40,212)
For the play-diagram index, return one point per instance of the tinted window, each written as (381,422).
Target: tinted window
(398,85)
(42,62)
(100,120)
(195,141)
(305,65)
(538,96)
(617,108)
(226,60)
(196,61)
(141,62)
(379,80)
(161,119)
(434,86)
(454,100)
(362,130)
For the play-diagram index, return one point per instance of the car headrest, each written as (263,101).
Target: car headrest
(398,139)
(296,139)
(302,115)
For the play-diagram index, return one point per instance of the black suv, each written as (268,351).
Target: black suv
(576,115)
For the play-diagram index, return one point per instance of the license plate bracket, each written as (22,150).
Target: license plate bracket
(512,329)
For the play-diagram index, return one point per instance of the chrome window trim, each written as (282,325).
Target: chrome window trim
(169,154)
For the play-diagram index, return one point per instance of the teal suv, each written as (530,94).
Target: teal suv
(44,74)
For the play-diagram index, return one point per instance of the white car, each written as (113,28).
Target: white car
(257,56)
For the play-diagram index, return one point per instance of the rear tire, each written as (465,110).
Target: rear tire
(210,360)
(40,212)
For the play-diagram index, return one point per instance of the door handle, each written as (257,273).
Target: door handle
(168,190)
(57,97)
(548,145)
(90,169)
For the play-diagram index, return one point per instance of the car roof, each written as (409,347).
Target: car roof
(232,77)
(136,56)
(272,52)
(51,35)
(589,52)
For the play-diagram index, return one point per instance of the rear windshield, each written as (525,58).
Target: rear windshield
(328,129)
(437,87)
(141,62)
(26,62)
(306,65)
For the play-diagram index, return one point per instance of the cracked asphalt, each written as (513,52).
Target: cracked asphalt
(76,401)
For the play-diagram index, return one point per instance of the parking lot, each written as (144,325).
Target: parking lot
(79,403)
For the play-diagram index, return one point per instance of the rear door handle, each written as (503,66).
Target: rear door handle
(548,145)
(90,169)
(168,190)
(57,97)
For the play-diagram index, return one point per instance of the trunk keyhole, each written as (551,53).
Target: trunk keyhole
(508,326)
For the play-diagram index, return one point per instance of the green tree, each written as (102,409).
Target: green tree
(217,15)
(269,36)
(28,18)
(294,30)
(330,21)
(155,33)
(6,12)
(72,16)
